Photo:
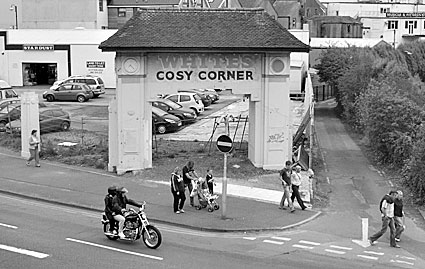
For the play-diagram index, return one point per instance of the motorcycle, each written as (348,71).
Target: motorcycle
(136,225)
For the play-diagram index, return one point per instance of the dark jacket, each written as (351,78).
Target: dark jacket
(120,202)
(176,185)
(398,207)
(186,170)
(387,198)
(286,175)
(108,206)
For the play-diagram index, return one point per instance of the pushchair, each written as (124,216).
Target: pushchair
(205,198)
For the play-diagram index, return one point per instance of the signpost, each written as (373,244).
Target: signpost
(225,145)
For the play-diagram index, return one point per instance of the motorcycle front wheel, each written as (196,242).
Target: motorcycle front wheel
(106,229)
(155,237)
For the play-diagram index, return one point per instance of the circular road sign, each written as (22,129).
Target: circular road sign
(224,143)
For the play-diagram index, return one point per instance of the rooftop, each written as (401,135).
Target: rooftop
(203,29)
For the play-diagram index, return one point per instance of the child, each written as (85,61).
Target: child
(210,181)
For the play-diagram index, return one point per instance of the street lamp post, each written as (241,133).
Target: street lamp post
(14,7)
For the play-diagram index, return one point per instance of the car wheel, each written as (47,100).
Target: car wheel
(95,95)
(81,99)
(196,111)
(161,129)
(50,98)
(65,126)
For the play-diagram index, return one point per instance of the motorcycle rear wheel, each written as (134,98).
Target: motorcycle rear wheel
(155,237)
(106,229)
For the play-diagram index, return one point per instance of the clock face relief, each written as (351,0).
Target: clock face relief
(131,66)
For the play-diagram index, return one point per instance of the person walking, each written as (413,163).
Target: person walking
(285,177)
(296,183)
(387,214)
(189,174)
(210,181)
(398,216)
(177,189)
(34,149)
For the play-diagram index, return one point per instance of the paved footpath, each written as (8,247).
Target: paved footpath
(248,208)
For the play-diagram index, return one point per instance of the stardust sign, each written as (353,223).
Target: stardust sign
(204,70)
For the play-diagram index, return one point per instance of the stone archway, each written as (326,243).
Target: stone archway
(250,58)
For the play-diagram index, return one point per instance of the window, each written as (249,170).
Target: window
(101,5)
(185,98)
(173,98)
(411,24)
(77,88)
(122,12)
(392,25)
(90,82)
(348,28)
(385,10)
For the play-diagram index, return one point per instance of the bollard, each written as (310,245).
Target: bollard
(365,229)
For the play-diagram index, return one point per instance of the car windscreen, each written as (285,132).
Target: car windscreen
(100,81)
(158,111)
(172,104)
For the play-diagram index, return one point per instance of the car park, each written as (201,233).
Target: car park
(69,92)
(95,83)
(52,118)
(188,100)
(163,122)
(185,115)
(6,91)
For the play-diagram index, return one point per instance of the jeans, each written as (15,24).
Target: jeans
(34,155)
(179,199)
(398,222)
(286,196)
(386,222)
(190,187)
(296,194)
(120,219)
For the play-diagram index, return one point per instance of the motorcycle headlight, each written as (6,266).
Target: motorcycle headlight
(170,121)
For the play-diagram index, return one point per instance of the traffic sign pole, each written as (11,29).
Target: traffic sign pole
(224,189)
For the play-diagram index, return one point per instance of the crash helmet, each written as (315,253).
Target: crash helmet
(122,190)
(112,190)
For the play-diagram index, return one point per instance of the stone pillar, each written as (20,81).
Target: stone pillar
(113,136)
(29,120)
(276,131)
(134,113)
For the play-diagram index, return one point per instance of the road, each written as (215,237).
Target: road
(41,235)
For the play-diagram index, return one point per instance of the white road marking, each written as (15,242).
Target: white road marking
(309,243)
(8,226)
(339,247)
(398,261)
(373,252)
(273,242)
(335,251)
(281,238)
(368,257)
(407,258)
(249,238)
(115,249)
(301,246)
(35,254)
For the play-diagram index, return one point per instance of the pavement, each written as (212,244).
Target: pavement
(248,209)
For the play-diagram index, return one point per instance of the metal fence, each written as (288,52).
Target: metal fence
(323,92)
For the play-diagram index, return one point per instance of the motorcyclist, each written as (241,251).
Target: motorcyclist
(112,190)
(120,202)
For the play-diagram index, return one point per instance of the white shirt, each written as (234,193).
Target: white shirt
(33,140)
(296,179)
(388,209)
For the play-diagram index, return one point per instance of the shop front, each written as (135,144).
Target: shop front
(39,73)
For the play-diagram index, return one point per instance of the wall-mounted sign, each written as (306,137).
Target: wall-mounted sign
(39,47)
(95,64)
(405,14)
(204,70)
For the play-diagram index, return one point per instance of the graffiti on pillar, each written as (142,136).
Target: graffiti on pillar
(276,138)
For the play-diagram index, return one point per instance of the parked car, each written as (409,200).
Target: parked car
(6,91)
(9,101)
(12,111)
(185,115)
(69,92)
(188,100)
(95,83)
(52,118)
(163,122)
(206,99)
(212,94)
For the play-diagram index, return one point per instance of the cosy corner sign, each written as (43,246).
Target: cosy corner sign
(206,70)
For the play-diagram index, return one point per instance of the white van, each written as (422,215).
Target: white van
(6,91)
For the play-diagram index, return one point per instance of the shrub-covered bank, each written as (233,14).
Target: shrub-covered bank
(381,94)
